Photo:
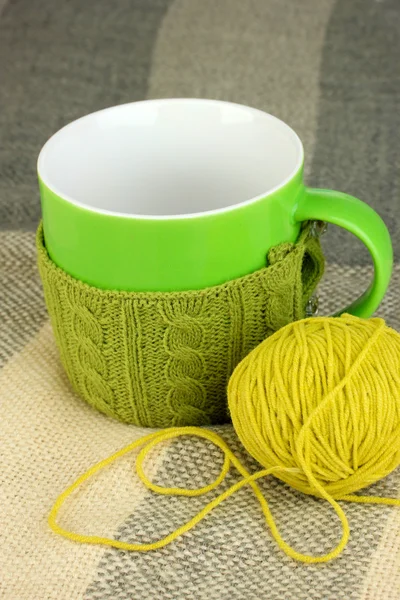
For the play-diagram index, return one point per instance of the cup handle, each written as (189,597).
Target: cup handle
(358,218)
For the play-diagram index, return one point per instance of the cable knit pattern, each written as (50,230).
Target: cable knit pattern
(185,367)
(164,359)
(86,342)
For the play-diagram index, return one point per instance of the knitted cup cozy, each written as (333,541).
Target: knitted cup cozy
(162,359)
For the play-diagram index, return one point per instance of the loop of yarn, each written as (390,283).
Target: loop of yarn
(317,404)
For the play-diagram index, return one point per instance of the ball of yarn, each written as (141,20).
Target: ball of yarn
(321,400)
(317,404)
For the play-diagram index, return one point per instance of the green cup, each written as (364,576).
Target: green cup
(184,194)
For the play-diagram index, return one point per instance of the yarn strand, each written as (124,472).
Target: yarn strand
(148,443)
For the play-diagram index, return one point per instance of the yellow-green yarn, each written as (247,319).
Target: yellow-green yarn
(317,404)
(322,398)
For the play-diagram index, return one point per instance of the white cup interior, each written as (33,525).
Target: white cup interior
(164,158)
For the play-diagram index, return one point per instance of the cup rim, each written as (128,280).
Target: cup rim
(81,205)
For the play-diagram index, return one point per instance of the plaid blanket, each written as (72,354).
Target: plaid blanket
(330,69)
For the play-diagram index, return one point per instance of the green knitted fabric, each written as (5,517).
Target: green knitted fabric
(164,359)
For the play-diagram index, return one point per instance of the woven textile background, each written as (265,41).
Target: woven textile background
(330,68)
